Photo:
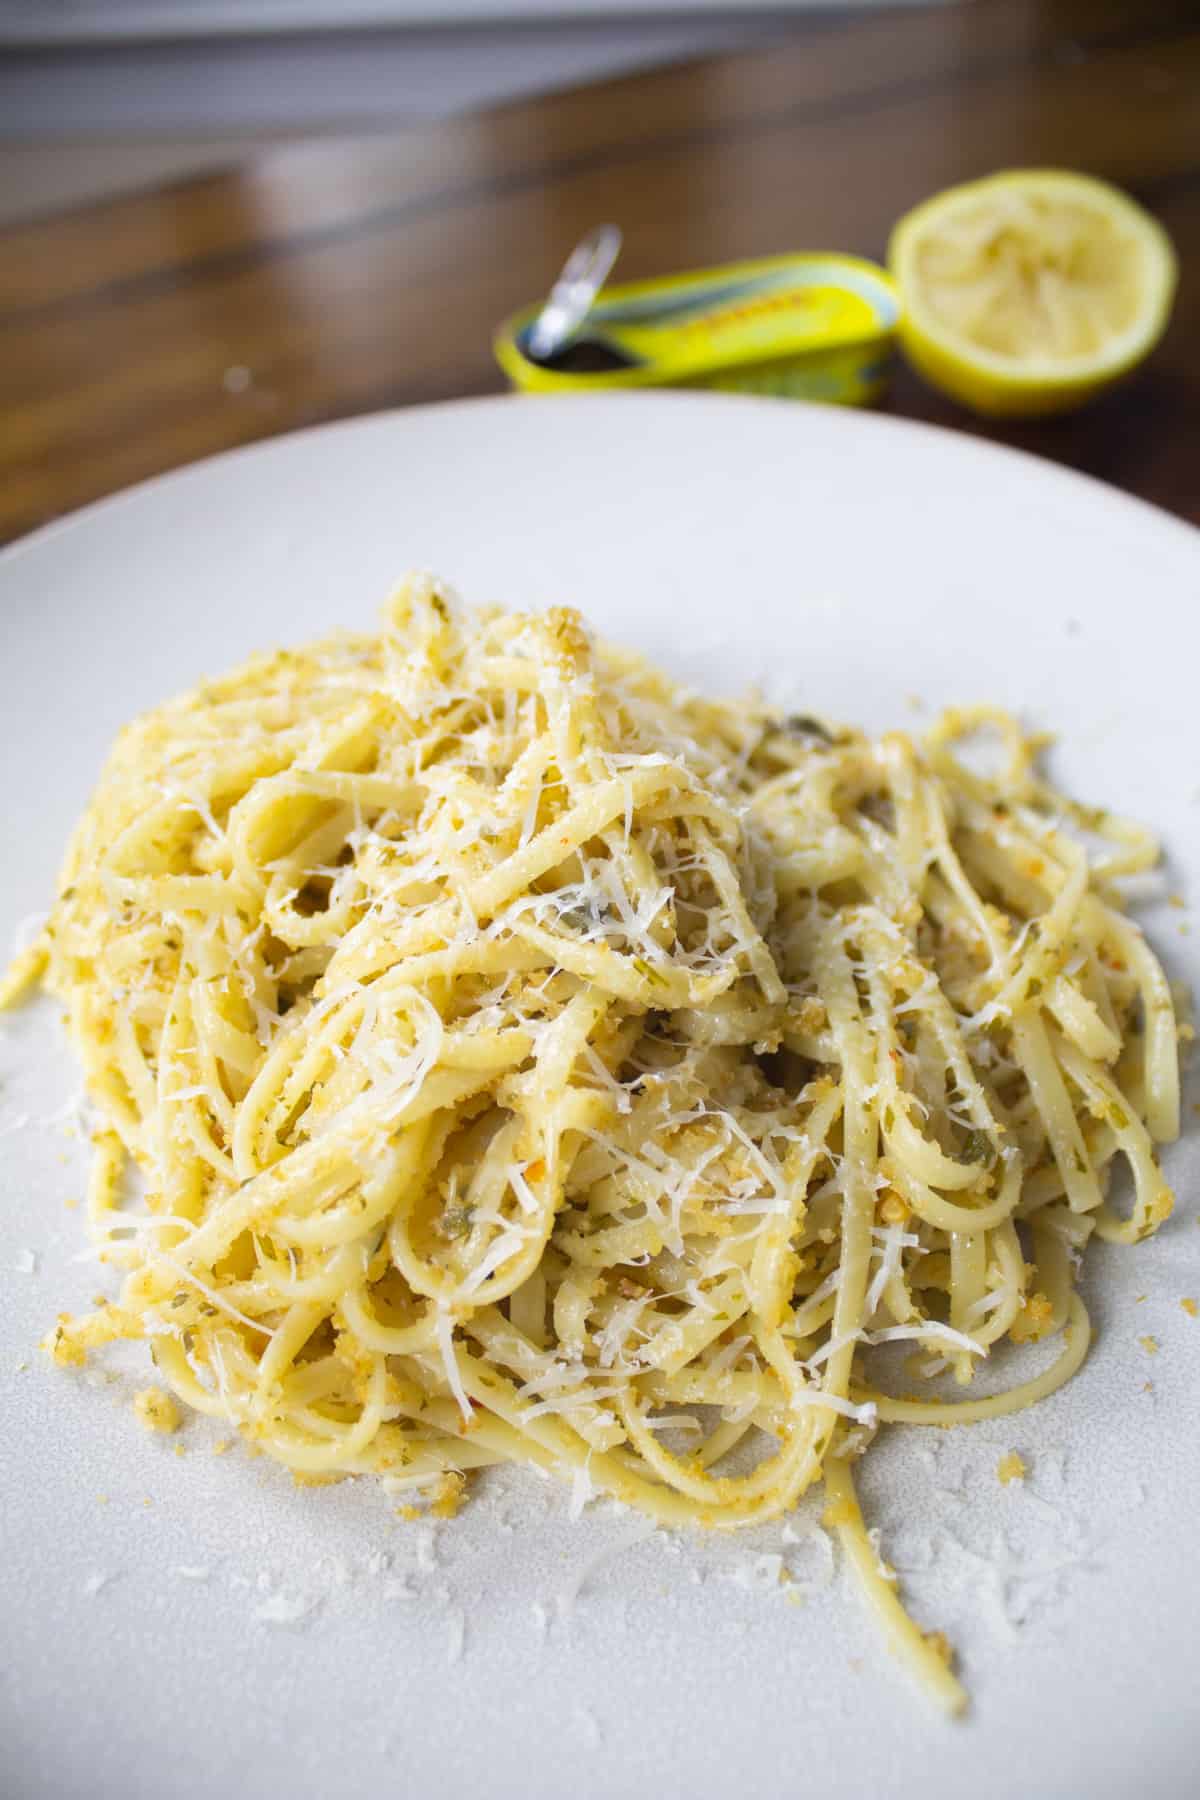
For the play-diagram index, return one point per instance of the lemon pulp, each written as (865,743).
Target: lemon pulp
(1031,290)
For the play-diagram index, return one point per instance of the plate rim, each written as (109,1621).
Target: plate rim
(840,418)
(63,567)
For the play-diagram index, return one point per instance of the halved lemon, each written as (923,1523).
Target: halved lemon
(1030,291)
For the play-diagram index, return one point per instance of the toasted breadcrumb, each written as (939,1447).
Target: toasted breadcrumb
(1149,1345)
(1034,1322)
(1189,1306)
(448,1496)
(1159,1209)
(63,1346)
(1011,1467)
(156,1410)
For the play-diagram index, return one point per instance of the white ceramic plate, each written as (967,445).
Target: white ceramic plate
(189,1625)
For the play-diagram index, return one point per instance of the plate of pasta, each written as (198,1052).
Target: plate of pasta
(598,1172)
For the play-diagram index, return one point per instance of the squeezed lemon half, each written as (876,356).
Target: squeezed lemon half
(1030,291)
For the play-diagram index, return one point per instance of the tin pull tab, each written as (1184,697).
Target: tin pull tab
(573,294)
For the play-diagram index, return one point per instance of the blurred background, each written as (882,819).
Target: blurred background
(104,96)
(225,219)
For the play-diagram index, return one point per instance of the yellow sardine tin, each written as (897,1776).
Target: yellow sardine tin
(804,327)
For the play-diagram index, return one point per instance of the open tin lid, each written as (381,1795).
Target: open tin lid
(747,324)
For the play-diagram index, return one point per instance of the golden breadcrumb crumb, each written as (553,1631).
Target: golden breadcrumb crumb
(893,1210)
(1159,1209)
(221,1446)
(1034,1322)
(63,1346)
(1011,1467)
(1189,1306)
(156,1410)
(448,1496)
(1149,1345)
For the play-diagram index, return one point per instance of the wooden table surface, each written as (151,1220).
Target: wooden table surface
(347,277)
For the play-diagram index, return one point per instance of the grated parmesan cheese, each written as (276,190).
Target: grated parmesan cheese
(286,1610)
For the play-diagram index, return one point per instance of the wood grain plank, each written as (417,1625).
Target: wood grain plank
(374,276)
(321,187)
